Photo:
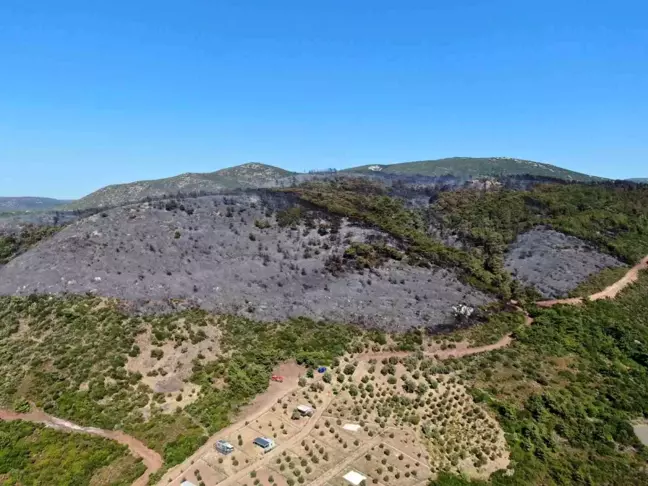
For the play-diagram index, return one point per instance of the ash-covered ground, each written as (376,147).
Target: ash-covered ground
(554,263)
(215,251)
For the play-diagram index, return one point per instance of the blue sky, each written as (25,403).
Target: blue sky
(101,92)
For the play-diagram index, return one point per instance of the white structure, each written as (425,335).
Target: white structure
(354,477)
(374,168)
(224,447)
(352,427)
(305,410)
(187,483)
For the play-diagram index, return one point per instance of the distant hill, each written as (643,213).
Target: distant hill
(256,175)
(29,203)
(476,167)
(247,175)
(642,180)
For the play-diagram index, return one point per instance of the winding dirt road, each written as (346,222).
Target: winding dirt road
(609,292)
(151,459)
(463,349)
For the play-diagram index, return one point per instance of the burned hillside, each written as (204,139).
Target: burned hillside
(247,254)
(554,263)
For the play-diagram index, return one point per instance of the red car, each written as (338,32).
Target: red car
(278,378)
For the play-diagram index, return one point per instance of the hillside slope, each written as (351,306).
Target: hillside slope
(246,175)
(29,203)
(233,256)
(469,167)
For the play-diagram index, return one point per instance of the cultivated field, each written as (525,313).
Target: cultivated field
(398,420)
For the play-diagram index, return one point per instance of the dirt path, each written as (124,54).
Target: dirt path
(333,472)
(245,472)
(610,292)
(260,405)
(462,349)
(151,459)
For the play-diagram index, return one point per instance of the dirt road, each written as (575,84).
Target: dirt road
(462,349)
(151,459)
(610,292)
(260,405)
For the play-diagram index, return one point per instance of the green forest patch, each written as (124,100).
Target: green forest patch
(32,455)
(566,391)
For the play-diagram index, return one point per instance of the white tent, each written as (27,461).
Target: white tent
(354,477)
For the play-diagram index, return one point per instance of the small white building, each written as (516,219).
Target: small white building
(354,477)
(305,410)
(187,483)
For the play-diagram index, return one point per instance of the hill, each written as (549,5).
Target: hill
(469,167)
(215,294)
(247,175)
(239,255)
(641,180)
(275,254)
(8,204)
(256,175)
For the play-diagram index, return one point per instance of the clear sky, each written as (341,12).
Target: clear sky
(106,91)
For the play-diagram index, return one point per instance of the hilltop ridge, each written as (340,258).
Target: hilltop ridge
(475,167)
(252,174)
(29,203)
(258,175)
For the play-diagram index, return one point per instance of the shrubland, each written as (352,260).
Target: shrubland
(612,216)
(13,244)
(566,391)
(67,355)
(34,455)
